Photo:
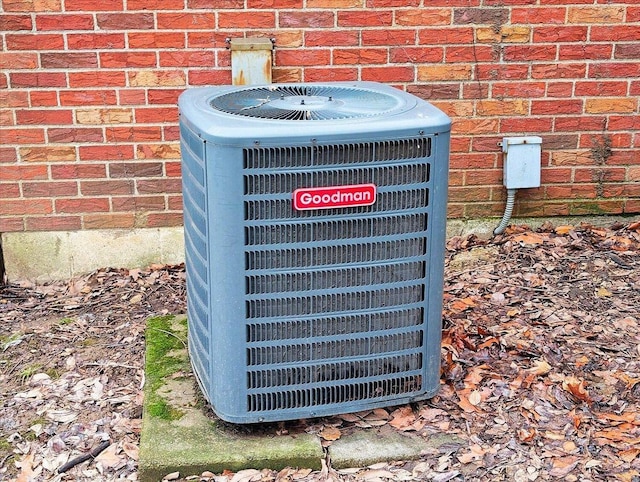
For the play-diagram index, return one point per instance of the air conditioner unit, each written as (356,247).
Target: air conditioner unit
(314,218)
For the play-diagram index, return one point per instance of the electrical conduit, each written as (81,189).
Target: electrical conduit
(508,209)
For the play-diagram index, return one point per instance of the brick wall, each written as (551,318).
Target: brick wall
(88,112)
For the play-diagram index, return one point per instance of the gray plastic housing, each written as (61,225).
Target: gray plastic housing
(298,314)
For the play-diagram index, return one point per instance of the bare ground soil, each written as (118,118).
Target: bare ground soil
(540,368)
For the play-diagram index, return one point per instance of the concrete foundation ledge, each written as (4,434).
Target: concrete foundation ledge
(56,255)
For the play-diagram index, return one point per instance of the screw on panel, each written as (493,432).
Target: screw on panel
(256,143)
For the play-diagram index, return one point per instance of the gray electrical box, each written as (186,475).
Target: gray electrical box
(314,218)
(521,167)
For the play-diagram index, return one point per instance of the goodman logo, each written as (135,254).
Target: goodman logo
(334,197)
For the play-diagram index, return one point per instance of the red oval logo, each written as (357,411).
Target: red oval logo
(334,197)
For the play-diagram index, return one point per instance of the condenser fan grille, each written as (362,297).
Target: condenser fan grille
(306,102)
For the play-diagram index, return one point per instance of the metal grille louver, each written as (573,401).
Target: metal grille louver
(303,313)
(300,103)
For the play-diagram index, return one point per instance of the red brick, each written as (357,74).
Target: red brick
(15,22)
(330,74)
(13,207)
(580,123)
(125,21)
(40,41)
(208,39)
(78,171)
(601,88)
(529,124)
(416,54)
(601,207)
(518,89)
(278,4)
(87,97)
(174,203)
(198,21)
(53,223)
(171,133)
(438,90)
(37,79)
(468,194)
(187,58)
(604,174)
(502,71)
(559,34)
(156,5)
(99,78)
(627,51)
(69,60)
(157,220)
(560,89)
(127,59)
(482,15)
(106,188)
(92,5)
(40,117)
(19,60)
(614,69)
(444,36)
(22,135)
(529,52)
(45,22)
(388,74)
(331,38)
(242,20)
(95,41)
(49,189)
(551,175)
(133,134)
(158,186)
(111,221)
(359,56)
(23,172)
(9,190)
(158,151)
(306,19)
(74,134)
(556,107)
(138,203)
(558,71)
(615,33)
(364,18)
(164,96)
(82,205)
(582,52)
(9,225)
(213,77)
(422,17)
(173,169)
(131,96)
(106,152)
(155,115)
(476,53)
(385,38)
(135,169)
(14,98)
(156,40)
(547,15)
(43,98)
(303,57)
(626,122)
(211,4)
(8,155)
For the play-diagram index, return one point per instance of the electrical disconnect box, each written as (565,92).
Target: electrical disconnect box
(521,161)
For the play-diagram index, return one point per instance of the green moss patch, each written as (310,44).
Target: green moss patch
(165,356)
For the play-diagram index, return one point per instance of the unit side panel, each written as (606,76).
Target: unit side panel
(196,233)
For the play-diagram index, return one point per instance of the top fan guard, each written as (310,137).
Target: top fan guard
(307,102)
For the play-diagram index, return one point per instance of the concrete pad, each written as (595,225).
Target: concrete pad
(178,435)
(366,447)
